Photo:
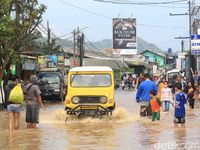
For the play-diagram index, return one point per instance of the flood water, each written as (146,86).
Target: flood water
(125,130)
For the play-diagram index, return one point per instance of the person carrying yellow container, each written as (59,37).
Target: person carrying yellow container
(15,94)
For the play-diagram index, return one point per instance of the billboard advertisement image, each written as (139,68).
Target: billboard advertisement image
(124,36)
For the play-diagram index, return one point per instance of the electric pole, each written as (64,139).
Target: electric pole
(48,36)
(78,47)
(77,44)
(81,40)
(190,57)
(182,46)
(74,46)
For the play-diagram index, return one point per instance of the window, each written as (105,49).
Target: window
(90,80)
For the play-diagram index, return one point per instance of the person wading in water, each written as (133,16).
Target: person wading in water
(143,94)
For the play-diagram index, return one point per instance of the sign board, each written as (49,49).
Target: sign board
(61,60)
(67,62)
(124,36)
(28,64)
(195,44)
(155,68)
(48,61)
(182,55)
(169,50)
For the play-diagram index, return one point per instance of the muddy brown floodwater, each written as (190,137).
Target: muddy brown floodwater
(125,130)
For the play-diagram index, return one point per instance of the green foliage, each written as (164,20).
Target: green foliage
(18,33)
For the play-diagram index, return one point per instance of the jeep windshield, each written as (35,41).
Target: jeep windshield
(49,78)
(91,80)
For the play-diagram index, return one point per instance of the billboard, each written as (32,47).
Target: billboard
(28,64)
(195,44)
(47,61)
(124,36)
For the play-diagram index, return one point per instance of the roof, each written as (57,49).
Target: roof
(160,53)
(91,68)
(173,71)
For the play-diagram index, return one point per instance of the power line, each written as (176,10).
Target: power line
(106,17)
(41,30)
(88,11)
(47,31)
(91,43)
(154,4)
(72,32)
(140,3)
(153,26)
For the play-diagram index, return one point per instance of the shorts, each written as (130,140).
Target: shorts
(32,113)
(179,120)
(16,108)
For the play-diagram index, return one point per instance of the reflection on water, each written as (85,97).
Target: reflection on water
(101,136)
(123,130)
(21,139)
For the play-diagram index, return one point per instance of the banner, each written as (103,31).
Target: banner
(28,64)
(195,44)
(47,61)
(124,36)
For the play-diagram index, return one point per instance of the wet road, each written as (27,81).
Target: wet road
(124,130)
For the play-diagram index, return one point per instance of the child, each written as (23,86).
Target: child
(166,96)
(180,101)
(154,104)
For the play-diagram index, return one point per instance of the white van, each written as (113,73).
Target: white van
(171,75)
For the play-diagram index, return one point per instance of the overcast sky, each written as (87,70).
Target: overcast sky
(154,24)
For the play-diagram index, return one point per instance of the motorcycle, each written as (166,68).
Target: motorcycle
(127,84)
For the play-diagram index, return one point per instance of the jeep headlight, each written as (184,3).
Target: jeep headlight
(75,100)
(103,99)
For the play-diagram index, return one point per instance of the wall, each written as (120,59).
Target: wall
(152,56)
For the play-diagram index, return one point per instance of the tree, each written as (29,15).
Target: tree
(18,22)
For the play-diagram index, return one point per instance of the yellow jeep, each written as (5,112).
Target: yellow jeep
(90,91)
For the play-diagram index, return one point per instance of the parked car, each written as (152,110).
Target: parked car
(51,84)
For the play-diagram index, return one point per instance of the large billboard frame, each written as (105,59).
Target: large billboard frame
(124,36)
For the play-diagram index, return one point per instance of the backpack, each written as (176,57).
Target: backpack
(16,95)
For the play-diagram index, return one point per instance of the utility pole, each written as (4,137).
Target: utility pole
(81,49)
(48,36)
(74,47)
(78,46)
(190,57)
(182,46)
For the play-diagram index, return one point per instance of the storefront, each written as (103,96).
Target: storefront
(29,64)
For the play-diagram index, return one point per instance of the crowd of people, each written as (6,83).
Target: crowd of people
(152,96)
